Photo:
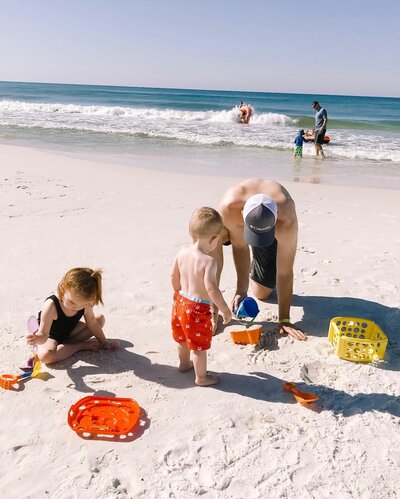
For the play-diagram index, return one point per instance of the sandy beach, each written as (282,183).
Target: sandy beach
(245,437)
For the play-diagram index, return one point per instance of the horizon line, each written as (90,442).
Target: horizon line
(199,89)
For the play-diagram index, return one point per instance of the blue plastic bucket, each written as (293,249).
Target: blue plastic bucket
(247,308)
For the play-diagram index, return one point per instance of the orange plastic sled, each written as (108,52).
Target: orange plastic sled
(103,415)
(302,397)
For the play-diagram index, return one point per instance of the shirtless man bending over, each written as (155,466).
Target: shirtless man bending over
(245,113)
(261,215)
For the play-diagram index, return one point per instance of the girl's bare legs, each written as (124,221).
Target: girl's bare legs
(51,351)
(184,358)
(200,369)
(82,333)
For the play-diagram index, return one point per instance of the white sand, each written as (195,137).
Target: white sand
(245,438)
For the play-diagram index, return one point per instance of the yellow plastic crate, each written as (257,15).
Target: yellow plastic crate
(357,339)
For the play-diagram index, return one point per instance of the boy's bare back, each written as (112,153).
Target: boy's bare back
(197,271)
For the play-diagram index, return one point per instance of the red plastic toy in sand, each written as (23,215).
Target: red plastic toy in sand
(103,415)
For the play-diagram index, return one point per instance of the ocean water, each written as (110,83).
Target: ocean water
(364,131)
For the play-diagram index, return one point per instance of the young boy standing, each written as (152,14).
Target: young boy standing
(194,279)
(298,144)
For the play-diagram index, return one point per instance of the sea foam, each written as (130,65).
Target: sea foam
(266,130)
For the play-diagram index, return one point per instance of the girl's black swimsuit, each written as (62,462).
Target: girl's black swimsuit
(62,327)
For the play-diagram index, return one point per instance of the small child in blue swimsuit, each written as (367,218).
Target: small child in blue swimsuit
(61,332)
(299,141)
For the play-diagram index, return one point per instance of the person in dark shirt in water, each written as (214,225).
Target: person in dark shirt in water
(321,120)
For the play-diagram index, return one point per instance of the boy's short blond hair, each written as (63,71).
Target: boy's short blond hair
(205,221)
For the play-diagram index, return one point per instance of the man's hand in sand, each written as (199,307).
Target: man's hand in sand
(237,300)
(291,330)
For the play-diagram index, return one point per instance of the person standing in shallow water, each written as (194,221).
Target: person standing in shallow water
(298,144)
(321,120)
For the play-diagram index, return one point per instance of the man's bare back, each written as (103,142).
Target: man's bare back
(245,114)
(234,199)
(231,209)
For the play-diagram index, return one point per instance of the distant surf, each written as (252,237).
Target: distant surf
(360,127)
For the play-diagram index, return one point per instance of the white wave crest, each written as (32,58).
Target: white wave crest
(266,130)
(272,119)
(225,116)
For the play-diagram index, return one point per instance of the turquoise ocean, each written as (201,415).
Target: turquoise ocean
(124,122)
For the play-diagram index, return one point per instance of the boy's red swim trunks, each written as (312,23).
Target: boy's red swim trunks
(191,323)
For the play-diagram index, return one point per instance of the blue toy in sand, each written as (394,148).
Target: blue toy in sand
(247,308)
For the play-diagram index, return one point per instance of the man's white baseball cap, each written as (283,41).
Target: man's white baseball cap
(260,213)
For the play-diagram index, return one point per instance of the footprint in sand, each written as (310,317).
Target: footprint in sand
(21,454)
(16,448)
(305,249)
(270,316)
(308,272)
(147,309)
(268,341)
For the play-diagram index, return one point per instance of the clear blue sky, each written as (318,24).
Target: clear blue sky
(334,47)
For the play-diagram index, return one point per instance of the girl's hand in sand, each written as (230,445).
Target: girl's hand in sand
(111,345)
(292,331)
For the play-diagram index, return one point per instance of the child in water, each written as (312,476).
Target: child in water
(194,279)
(61,332)
(299,141)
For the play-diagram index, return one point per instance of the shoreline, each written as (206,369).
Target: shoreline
(230,162)
(245,437)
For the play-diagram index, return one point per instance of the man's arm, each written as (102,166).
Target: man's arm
(287,244)
(241,259)
(325,116)
(218,256)
(284,278)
